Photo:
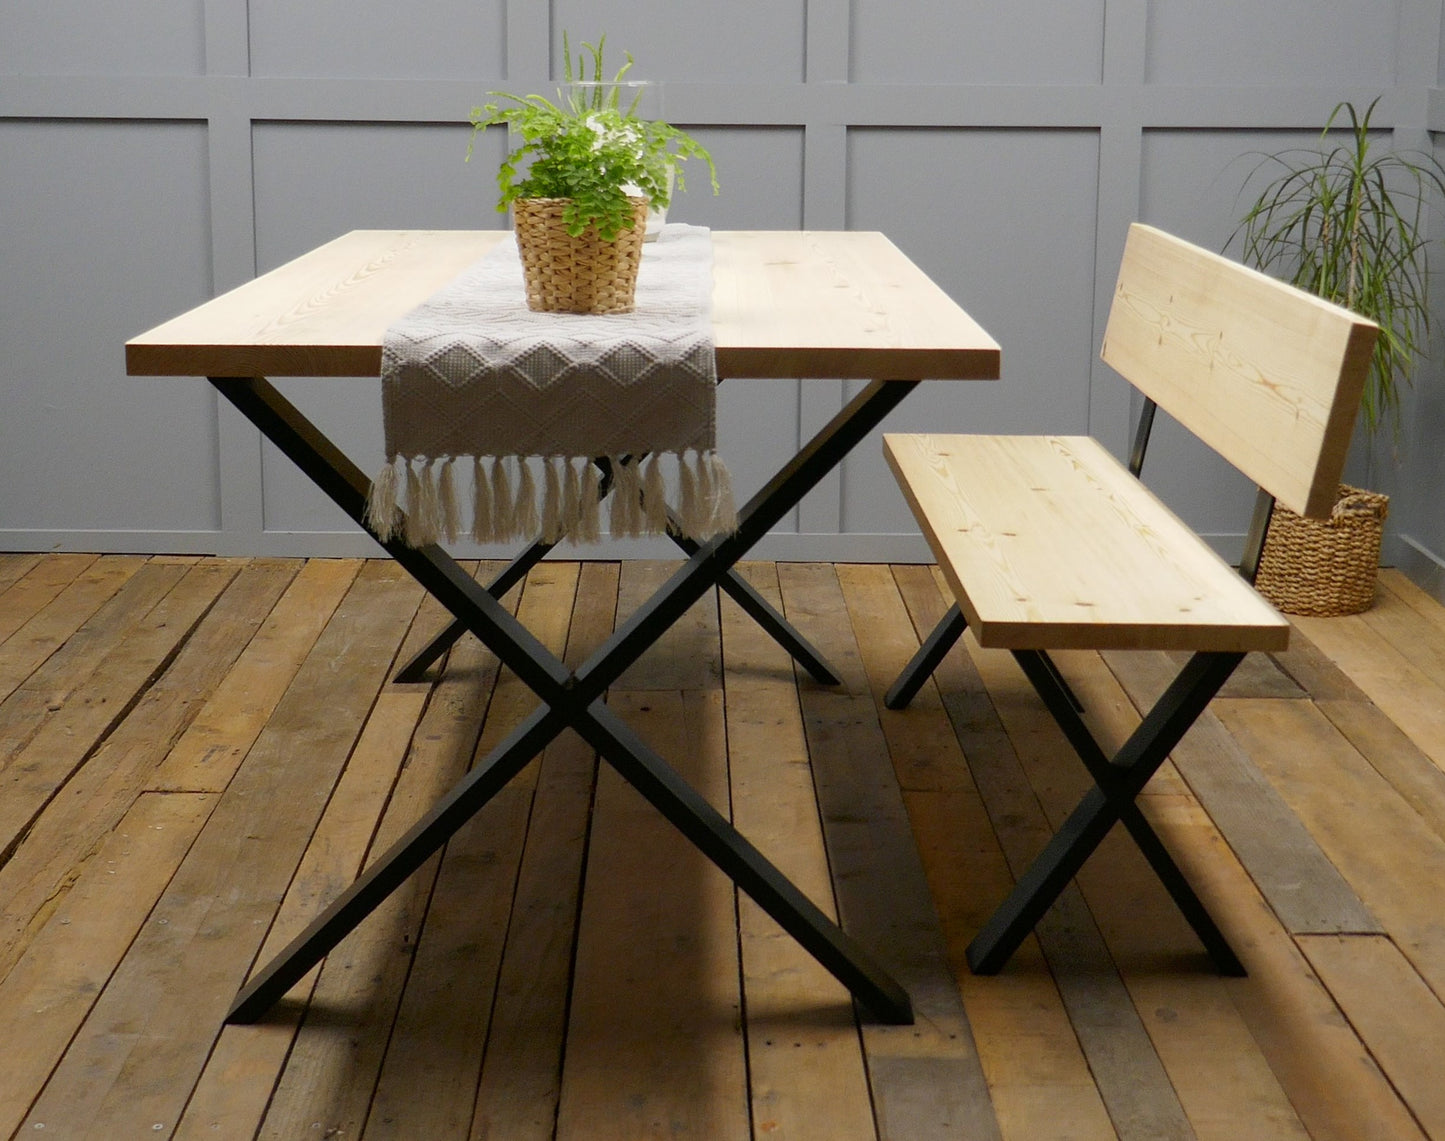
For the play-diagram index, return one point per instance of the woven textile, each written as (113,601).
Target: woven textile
(626,401)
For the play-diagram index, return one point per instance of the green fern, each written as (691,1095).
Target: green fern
(589,150)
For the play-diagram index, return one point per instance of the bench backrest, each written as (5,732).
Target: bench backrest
(1267,375)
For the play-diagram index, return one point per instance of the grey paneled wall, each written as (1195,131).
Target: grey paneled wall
(444,39)
(1293,42)
(152,155)
(1037,42)
(94,38)
(81,265)
(1018,250)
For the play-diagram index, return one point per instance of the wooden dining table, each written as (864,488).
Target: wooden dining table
(786,305)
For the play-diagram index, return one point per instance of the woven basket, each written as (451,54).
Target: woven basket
(576,275)
(1325,567)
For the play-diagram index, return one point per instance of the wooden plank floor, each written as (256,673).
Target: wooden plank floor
(196,754)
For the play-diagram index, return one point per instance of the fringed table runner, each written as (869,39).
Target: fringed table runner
(537,405)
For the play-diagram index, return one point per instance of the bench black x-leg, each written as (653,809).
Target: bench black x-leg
(935,648)
(575,701)
(1118,780)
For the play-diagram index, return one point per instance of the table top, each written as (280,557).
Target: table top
(785,304)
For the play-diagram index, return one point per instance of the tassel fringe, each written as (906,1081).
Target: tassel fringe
(451,521)
(381,506)
(589,504)
(416,533)
(552,530)
(626,520)
(482,525)
(507,507)
(654,496)
(524,512)
(725,510)
(572,513)
(503,505)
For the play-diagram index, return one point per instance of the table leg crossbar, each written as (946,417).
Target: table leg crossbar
(574,700)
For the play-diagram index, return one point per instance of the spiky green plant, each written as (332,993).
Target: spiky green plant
(1348,223)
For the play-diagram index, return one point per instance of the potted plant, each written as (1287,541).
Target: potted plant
(1346,222)
(580,182)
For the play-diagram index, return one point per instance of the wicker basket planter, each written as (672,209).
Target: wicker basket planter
(1325,567)
(584,274)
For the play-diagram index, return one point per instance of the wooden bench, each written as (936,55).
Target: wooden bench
(1049,542)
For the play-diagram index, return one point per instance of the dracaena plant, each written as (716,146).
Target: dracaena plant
(1347,221)
(588,148)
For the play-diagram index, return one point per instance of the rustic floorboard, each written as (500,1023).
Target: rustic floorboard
(927,1079)
(521,1078)
(808,1070)
(197,754)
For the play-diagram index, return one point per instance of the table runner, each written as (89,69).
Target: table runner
(473,373)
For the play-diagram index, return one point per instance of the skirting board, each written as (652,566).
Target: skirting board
(1418,563)
(777,547)
(780,546)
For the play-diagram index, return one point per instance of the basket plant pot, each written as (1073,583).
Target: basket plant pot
(582,274)
(1325,567)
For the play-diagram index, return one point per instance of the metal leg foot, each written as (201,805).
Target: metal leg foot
(920,668)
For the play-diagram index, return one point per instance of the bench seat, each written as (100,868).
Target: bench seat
(1049,543)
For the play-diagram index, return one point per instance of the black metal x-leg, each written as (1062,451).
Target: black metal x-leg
(1118,781)
(574,700)
(934,649)
(513,573)
(735,585)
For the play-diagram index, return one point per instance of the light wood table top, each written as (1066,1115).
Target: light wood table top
(785,304)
